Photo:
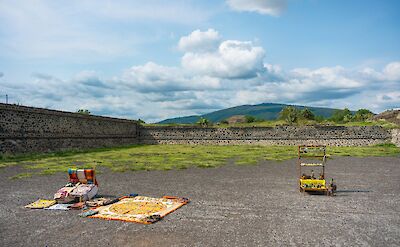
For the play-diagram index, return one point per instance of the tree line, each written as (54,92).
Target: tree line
(293,115)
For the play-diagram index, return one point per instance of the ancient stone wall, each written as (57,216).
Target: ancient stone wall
(26,129)
(396,137)
(282,135)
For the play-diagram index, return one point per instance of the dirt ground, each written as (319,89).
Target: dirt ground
(230,206)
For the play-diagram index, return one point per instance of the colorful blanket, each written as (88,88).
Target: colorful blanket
(85,176)
(140,209)
(41,203)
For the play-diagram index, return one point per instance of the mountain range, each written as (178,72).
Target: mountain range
(266,111)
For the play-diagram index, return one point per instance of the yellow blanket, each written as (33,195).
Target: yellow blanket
(140,209)
(41,203)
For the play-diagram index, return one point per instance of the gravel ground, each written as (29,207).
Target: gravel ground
(230,206)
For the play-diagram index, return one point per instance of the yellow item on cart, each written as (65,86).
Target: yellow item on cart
(313,184)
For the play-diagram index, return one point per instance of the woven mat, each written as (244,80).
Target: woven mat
(139,209)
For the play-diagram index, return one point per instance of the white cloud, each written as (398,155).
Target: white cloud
(231,74)
(199,41)
(327,77)
(267,7)
(233,59)
(152,77)
(392,71)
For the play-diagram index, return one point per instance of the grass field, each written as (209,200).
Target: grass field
(167,157)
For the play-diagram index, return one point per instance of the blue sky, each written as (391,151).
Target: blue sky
(158,59)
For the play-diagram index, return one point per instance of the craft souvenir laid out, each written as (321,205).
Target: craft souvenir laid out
(82,186)
(41,203)
(140,209)
(80,193)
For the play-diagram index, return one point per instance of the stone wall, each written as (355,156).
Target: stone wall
(26,129)
(396,137)
(282,135)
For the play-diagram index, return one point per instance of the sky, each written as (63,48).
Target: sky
(159,59)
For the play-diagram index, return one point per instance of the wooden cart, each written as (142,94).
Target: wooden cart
(312,174)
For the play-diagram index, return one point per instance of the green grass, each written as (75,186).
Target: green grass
(168,157)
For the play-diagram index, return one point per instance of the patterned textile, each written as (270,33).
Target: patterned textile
(63,195)
(82,190)
(82,186)
(41,203)
(101,201)
(84,176)
(81,176)
(140,209)
(87,213)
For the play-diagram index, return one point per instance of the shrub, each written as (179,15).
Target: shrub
(339,115)
(289,114)
(307,114)
(224,121)
(363,115)
(250,119)
(83,111)
(204,122)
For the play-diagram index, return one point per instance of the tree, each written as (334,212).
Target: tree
(224,121)
(83,111)
(348,118)
(140,121)
(363,115)
(250,119)
(204,122)
(339,115)
(289,114)
(307,114)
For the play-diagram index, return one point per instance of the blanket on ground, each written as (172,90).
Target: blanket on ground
(140,209)
(41,203)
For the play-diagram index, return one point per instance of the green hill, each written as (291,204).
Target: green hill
(266,111)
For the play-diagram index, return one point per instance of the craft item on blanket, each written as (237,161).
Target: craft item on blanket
(85,191)
(96,202)
(140,209)
(63,195)
(88,213)
(61,206)
(101,201)
(78,205)
(41,203)
(85,176)
(73,177)
(110,201)
(81,176)
(82,186)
